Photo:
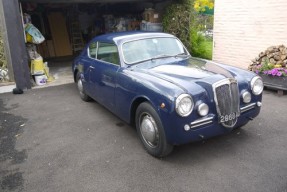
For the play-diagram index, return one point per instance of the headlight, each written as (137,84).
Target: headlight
(184,105)
(203,109)
(246,97)
(257,85)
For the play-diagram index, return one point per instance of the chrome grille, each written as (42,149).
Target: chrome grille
(227,101)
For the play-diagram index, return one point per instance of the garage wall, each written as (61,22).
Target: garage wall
(242,29)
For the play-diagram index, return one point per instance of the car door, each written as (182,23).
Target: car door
(89,67)
(103,74)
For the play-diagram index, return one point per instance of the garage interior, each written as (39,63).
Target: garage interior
(68,26)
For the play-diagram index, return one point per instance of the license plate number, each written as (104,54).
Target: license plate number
(225,118)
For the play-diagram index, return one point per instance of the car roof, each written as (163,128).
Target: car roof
(120,37)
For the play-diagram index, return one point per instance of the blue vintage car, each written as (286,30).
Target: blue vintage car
(149,80)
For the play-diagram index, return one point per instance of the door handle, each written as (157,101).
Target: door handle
(91,67)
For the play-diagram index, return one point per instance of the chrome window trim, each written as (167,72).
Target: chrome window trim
(96,59)
(88,51)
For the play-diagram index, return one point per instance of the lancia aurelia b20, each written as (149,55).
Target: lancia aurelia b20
(149,80)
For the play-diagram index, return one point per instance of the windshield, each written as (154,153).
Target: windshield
(152,48)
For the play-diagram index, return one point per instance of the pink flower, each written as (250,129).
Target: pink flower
(274,71)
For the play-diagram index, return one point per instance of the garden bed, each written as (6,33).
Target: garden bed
(271,65)
(274,82)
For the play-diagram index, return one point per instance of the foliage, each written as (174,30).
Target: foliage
(201,46)
(177,20)
(200,5)
(208,47)
(270,69)
(3,62)
(184,21)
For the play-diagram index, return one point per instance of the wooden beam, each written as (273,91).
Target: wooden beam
(16,43)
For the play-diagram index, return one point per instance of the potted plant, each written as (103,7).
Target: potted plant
(271,66)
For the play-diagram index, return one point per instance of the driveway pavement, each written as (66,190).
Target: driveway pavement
(50,141)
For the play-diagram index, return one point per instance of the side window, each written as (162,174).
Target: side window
(93,50)
(108,52)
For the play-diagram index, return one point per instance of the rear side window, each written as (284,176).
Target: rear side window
(93,50)
(108,52)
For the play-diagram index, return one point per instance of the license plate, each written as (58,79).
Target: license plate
(225,118)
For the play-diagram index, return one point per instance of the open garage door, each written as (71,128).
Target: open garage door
(68,25)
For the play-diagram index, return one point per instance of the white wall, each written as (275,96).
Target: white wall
(244,28)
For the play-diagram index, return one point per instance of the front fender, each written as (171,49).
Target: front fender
(133,87)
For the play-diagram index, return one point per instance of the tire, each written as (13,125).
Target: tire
(81,90)
(151,132)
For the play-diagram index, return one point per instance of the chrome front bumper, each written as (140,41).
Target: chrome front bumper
(209,119)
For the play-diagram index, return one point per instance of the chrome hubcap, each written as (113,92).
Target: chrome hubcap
(149,130)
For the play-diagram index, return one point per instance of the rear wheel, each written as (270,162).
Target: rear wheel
(151,132)
(81,90)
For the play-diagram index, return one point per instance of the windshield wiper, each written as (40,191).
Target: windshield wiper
(182,55)
(161,57)
(152,59)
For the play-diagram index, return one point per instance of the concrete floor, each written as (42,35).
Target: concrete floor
(60,70)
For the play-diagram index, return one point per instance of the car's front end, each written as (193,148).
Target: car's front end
(212,106)
(214,98)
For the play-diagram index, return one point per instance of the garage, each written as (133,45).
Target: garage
(61,28)
(67,27)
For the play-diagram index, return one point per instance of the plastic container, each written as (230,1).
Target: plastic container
(40,79)
(37,66)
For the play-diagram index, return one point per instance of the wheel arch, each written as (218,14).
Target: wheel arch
(75,75)
(134,107)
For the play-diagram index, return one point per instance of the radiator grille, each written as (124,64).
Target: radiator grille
(227,101)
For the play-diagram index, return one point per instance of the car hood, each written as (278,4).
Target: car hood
(191,70)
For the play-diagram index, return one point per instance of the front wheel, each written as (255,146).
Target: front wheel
(151,132)
(81,90)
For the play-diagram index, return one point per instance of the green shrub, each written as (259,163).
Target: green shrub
(177,20)
(181,20)
(3,62)
(200,45)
